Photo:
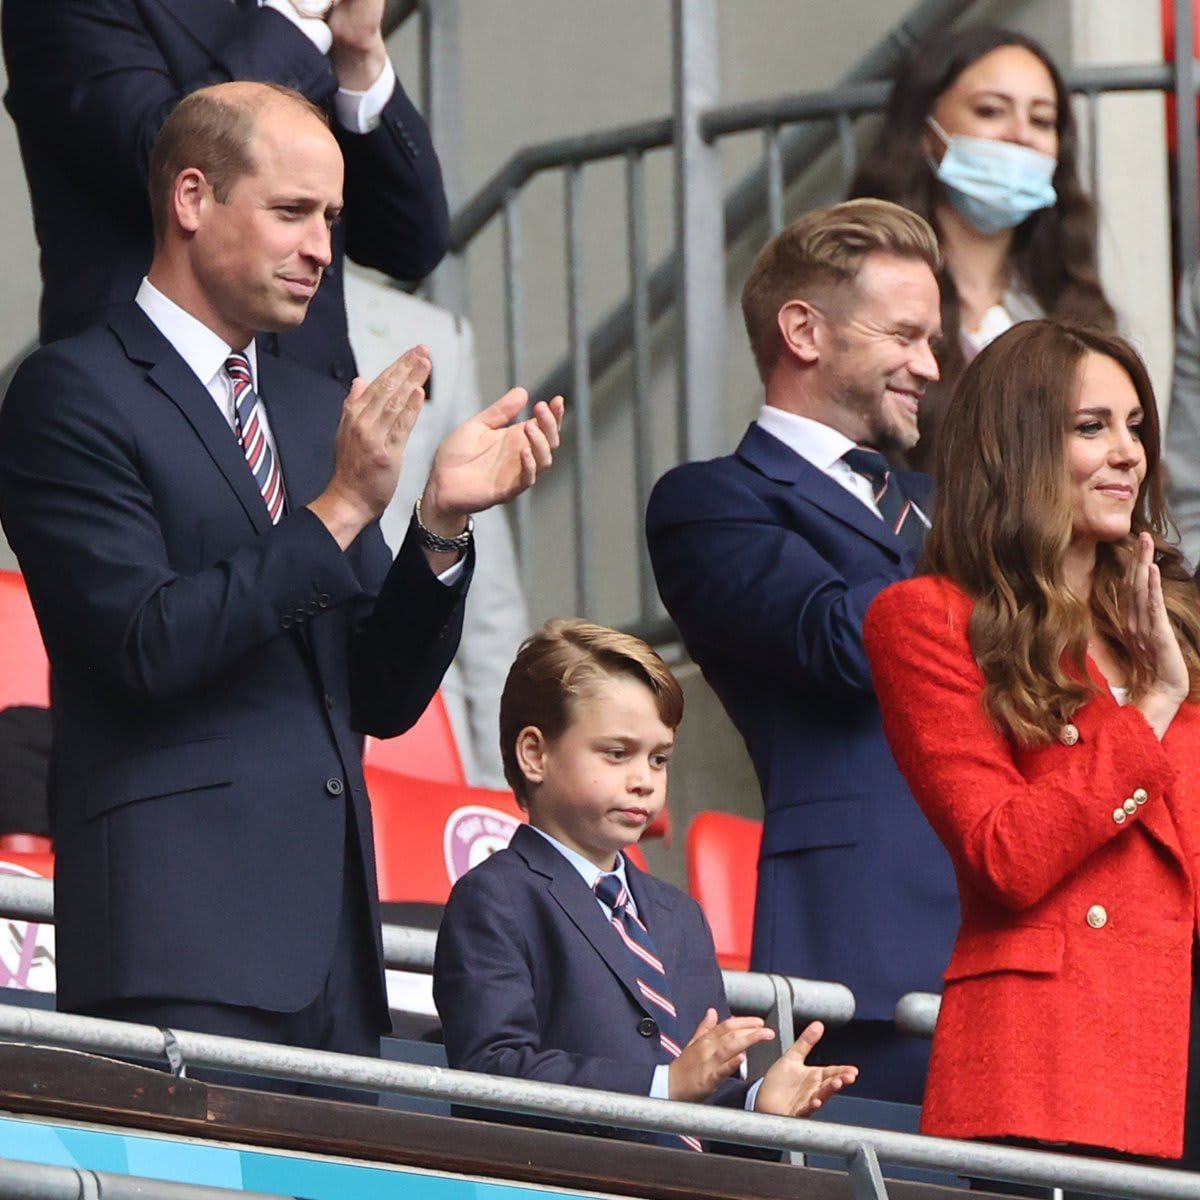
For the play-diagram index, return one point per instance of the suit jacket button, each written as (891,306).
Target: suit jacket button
(287,622)
(647,1027)
(1097,916)
(1119,816)
(1140,796)
(328,700)
(334,787)
(1068,735)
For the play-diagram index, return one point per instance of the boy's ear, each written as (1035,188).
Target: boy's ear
(531,753)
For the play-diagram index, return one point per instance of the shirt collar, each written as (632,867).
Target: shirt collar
(819,444)
(202,349)
(585,867)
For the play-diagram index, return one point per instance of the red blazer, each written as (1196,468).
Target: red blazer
(1066,1006)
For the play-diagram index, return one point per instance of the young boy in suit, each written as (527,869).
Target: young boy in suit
(558,959)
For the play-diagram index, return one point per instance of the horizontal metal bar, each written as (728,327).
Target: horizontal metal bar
(36,1181)
(917,1013)
(606,1108)
(409,949)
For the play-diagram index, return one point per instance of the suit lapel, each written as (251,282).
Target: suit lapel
(168,372)
(303,452)
(770,457)
(580,907)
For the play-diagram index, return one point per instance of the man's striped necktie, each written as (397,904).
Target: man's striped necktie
(252,436)
(894,506)
(648,969)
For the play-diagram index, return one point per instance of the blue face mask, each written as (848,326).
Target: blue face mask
(993,185)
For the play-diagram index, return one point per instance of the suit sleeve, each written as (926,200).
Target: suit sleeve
(90,81)
(82,519)
(734,577)
(485,992)
(1014,839)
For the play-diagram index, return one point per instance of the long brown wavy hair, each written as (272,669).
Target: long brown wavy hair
(1003,525)
(1053,251)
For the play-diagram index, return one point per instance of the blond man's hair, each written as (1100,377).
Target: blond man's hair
(558,668)
(821,252)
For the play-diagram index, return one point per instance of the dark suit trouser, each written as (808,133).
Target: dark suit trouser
(341,1017)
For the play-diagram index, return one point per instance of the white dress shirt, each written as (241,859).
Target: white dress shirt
(823,447)
(358,112)
(660,1083)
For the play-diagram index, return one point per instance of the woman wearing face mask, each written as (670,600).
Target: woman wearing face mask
(978,137)
(1039,690)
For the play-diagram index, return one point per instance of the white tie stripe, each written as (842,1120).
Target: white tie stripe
(656,998)
(250,433)
(639,951)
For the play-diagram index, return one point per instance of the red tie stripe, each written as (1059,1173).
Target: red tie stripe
(894,507)
(247,422)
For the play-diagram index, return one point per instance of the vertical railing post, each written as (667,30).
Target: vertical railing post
(699,232)
(441,61)
(1185,128)
(581,397)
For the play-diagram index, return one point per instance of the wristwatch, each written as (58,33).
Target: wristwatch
(437,544)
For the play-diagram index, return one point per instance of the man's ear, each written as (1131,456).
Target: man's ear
(190,198)
(797,329)
(531,753)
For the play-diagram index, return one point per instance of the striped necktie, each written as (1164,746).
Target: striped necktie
(251,436)
(894,506)
(648,970)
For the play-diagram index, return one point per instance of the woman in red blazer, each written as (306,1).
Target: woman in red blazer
(1039,689)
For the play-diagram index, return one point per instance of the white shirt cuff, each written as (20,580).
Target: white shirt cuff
(313,28)
(359,112)
(660,1084)
(451,575)
(752,1095)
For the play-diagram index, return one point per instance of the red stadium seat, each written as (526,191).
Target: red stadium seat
(25,843)
(426,751)
(428,834)
(24,668)
(722,867)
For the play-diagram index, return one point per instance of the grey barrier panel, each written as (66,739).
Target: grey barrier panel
(606,1108)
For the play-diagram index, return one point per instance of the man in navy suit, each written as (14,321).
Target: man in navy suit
(541,973)
(768,559)
(222,617)
(90,84)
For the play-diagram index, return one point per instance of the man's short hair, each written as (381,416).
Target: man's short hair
(212,130)
(820,251)
(556,669)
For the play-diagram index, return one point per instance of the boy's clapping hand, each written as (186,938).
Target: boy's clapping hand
(715,1052)
(791,1088)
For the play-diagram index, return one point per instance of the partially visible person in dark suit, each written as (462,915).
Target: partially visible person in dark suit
(197,526)
(558,959)
(767,561)
(90,83)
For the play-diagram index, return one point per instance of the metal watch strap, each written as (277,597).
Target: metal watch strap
(434,542)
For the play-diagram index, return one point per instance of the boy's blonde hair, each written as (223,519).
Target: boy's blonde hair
(556,668)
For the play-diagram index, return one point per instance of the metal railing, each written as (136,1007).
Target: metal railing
(861,1148)
(691,279)
(782,1000)
(36,1181)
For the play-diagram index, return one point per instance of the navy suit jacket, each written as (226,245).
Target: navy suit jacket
(768,567)
(531,980)
(90,84)
(211,673)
